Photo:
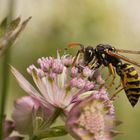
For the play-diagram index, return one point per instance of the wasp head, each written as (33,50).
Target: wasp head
(89,54)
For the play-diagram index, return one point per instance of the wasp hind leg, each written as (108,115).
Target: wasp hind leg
(121,86)
(116,93)
(111,73)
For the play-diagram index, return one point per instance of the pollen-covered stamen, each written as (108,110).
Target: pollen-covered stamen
(77,83)
(39,72)
(67,61)
(97,76)
(103,94)
(74,82)
(45,63)
(90,119)
(93,121)
(80,83)
(87,72)
(30,69)
(95,96)
(111,110)
(74,72)
(109,106)
(52,76)
(57,67)
(89,85)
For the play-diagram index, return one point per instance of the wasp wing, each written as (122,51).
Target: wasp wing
(123,58)
(127,51)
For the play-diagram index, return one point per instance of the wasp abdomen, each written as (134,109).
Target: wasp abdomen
(131,83)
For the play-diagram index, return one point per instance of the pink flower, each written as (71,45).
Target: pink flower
(29,116)
(58,83)
(75,90)
(92,118)
(23,114)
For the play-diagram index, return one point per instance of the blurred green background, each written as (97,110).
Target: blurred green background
(54,23)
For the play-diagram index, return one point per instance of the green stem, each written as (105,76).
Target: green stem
(34,138)
(5,74)
(55,115)
(41,135)
(53,132)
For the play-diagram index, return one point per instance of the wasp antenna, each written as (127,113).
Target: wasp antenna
(74,44)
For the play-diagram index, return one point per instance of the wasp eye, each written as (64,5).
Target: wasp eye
(89,54)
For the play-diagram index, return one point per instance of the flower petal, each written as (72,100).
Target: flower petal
(27,87)
(42,84)
(22,114)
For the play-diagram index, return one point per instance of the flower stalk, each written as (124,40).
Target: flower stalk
(9,32)
(34,138)
(55,115)
(5,72)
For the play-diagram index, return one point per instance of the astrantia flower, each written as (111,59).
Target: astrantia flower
(76,90)
(24,109)
(92,118)
(59,85)
(31,118)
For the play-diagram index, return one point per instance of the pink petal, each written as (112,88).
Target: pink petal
(27,87)
(23,114)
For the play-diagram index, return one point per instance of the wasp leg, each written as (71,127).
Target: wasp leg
(122,85)
(108,76)
(102,67)
(111,72)
(76,57)
(116,93)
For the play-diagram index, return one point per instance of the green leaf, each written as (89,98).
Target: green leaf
(3,25)
(7,28)
(53,132)
(14,24)
(117,122)
(11,32)
(115,132)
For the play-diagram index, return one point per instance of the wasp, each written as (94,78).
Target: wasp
(108,56)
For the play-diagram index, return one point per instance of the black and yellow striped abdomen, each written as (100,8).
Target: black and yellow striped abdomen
(131,83)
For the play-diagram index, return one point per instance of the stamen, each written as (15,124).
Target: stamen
(89,85)
(74,72)
(57,67)
(30,69)
(87,72)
